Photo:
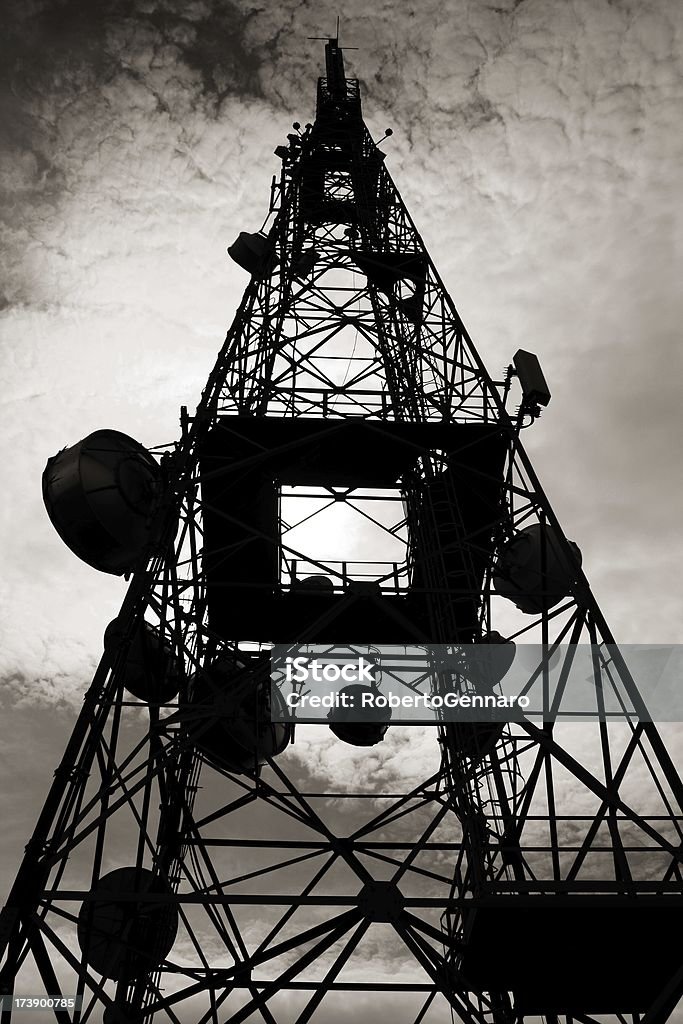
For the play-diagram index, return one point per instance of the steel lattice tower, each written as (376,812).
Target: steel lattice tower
(179,870)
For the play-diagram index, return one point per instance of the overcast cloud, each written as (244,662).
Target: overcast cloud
(538,147)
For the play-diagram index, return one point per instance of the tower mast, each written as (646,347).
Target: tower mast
(194,861)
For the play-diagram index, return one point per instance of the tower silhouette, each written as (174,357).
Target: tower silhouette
(181,869)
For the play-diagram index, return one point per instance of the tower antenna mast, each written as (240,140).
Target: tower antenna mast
(196,859)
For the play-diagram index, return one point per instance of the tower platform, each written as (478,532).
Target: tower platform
(573,953)
(246,461)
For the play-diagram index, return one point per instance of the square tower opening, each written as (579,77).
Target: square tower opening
(343,535)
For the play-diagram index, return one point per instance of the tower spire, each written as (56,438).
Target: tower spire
(335,84)
(334,67)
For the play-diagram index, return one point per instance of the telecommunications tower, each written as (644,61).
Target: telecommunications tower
(188,865)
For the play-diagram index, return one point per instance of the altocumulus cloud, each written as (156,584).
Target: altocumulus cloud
(536,146)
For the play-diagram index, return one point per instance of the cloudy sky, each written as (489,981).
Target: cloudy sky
(538,146)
